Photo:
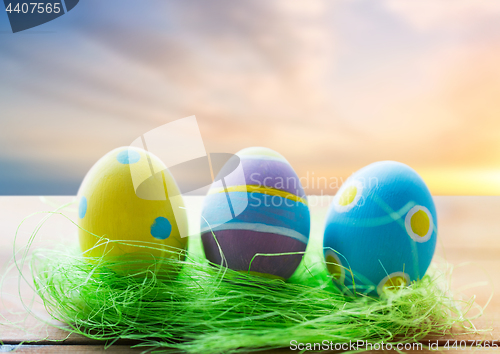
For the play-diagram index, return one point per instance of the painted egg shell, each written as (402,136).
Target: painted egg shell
(109,206)
(382,222)
(268,215)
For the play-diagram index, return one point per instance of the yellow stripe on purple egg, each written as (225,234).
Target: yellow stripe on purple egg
(259,189)
(272,173)
(278,214)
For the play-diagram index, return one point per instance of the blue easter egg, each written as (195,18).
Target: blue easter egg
(381,229)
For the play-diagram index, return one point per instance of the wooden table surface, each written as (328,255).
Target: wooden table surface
(469,238)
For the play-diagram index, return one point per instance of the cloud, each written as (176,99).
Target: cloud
(333,86)
(431,15)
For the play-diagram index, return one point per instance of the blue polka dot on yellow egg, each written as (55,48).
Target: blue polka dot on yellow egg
(109,206)
(82,208)
(161,228)
(128,156)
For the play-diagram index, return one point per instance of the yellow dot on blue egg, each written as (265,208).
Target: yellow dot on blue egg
(128,157)
(419,223)
(161,228)
(392,282)
(348,195)
(82,208)
(334,266)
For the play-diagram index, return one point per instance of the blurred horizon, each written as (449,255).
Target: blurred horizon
(332,86)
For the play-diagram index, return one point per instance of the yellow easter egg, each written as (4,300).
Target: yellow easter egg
(130,205)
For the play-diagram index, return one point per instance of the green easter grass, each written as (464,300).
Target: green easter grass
(211,309)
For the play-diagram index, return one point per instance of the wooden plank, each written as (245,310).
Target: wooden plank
(468,222)
(73,349)
(119,349)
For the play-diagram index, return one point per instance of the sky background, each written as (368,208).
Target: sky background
(331,85)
